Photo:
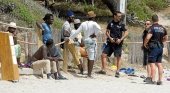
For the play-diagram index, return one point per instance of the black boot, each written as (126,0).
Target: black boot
(80,68)
(55,76)
(48,76)
(90,67)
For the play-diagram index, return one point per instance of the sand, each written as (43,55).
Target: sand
(100,84)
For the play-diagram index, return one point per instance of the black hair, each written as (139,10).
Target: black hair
(115,13)
(49,42)
(47,16)
(155,18)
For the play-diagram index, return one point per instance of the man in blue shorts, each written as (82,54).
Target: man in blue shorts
(156,36)
(116,33)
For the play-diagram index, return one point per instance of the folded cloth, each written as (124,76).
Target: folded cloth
(17,50)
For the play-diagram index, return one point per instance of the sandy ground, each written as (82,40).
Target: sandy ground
(80,84)
(100,84)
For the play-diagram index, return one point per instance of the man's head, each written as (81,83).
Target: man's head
(147,24)
(117,15)
(49,19)
(155,18)
(12,28)
(49,43)
(77,23)
(70,16)
(91,15)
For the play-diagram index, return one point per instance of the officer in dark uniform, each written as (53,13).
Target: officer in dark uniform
(116,33)
(145,51)
(157,34)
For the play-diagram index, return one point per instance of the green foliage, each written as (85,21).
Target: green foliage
(156,4)
(145,8)
(29,14)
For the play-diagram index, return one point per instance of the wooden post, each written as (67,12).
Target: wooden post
(9,67)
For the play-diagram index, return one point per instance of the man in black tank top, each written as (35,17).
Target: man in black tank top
(156,36)
(145,51)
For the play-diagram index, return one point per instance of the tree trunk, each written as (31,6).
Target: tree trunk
(111,4)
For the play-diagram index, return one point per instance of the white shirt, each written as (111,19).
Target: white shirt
(66,27)
(88,28)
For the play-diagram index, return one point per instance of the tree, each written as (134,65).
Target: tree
(111,4)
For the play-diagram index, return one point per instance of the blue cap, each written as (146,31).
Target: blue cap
(70,13)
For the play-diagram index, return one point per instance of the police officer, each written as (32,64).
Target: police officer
(157,34)
(116,33)
(145,51)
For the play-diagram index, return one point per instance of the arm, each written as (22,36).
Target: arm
(108,35)
(125,34)
(76,32)
(165,38)
(148,37)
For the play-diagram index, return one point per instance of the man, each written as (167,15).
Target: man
(69,46)
(156,36)
(145,52)
(78,39)
(12,29)
(47,57)
(46,27)
(90,30)
(116,33)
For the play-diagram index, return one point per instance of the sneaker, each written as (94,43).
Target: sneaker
(62,77)
(151,82)
(117,74)
(148,79)
(159,83)
(102,72)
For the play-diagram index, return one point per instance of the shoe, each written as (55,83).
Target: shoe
(151,82)
(117,74)
(148,79)
(159,83)
(62,77)
(81,73)
(102,72)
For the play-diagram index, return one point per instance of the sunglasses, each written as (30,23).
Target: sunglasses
(147,24)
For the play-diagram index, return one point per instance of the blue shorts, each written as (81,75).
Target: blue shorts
(155,55)
(116,49)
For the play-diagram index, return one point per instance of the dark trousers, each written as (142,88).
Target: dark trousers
(145,57)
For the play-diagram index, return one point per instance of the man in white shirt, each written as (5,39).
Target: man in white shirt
(90,30)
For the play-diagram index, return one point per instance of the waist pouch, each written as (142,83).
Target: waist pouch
(90,42)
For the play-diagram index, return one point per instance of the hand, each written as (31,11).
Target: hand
(112,40)
(93,35)
(118,41)
(145,46)
(66,39)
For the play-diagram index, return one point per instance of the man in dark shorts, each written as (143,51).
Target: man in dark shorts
(156,36)
(145,51)
(116,33)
